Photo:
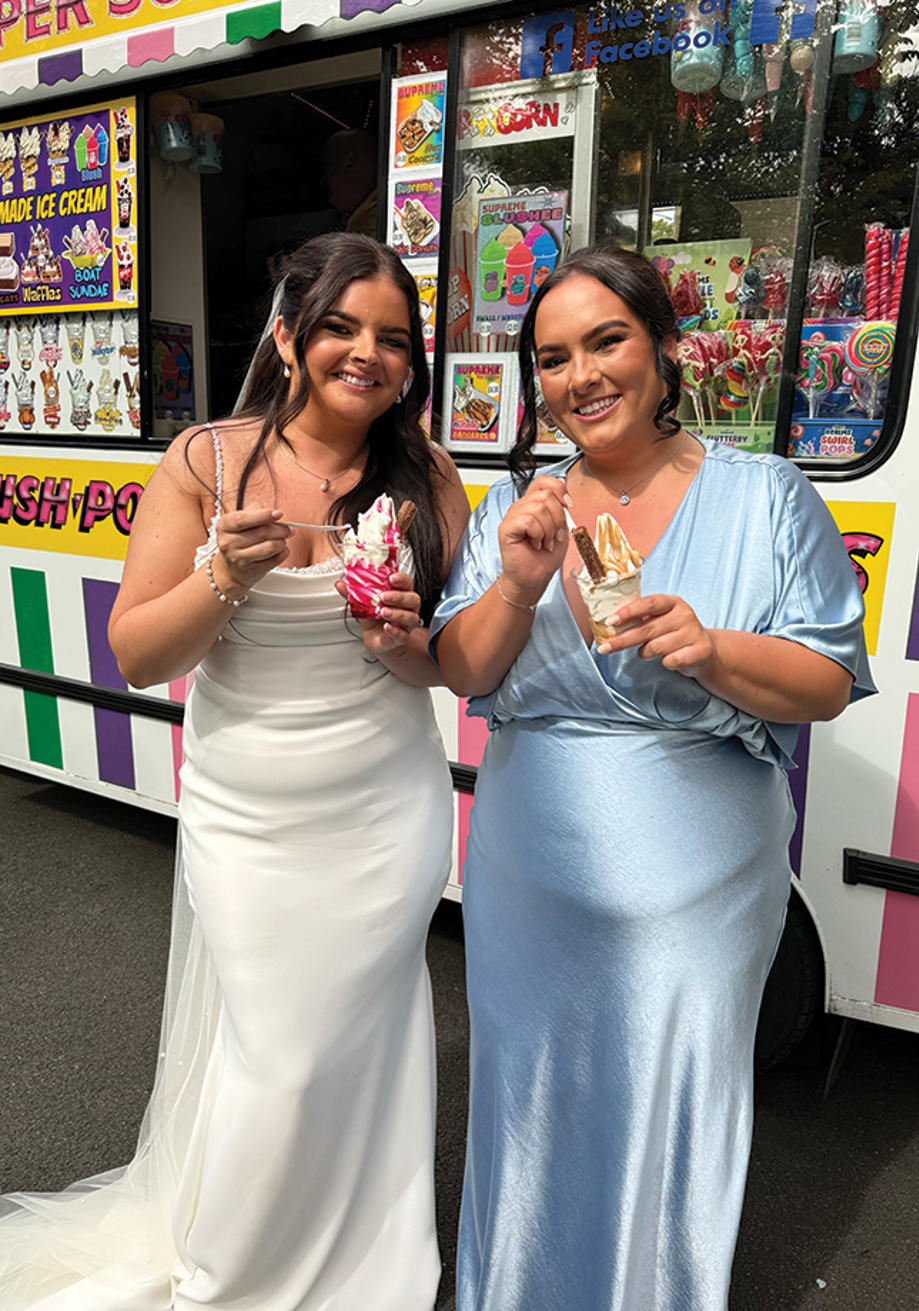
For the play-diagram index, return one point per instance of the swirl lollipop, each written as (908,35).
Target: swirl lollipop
(820,368)
(869,354)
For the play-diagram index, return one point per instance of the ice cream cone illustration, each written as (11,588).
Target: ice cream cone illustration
(24,329)
(130,335)
(50,331)
(25,399)
(76,335)
(5,415)
(29,150)
(80,412)
(102,335)
(108,416)
(4,345)
(52,406)
(57,144)
(7,162)
(132,399)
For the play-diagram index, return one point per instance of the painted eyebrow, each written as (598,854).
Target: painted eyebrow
(349,318)
(594,332)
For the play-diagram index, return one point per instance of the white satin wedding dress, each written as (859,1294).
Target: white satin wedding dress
(286,1159)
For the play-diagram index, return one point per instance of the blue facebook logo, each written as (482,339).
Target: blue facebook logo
(766,19)
(547,45)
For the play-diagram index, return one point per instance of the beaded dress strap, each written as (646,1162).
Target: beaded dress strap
(209,548)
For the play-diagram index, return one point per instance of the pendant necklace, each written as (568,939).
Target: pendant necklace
(624,494)
(324,483)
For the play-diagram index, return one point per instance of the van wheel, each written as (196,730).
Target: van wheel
(794,989)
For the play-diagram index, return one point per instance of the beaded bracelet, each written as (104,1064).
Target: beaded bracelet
(227,600)
(528,609)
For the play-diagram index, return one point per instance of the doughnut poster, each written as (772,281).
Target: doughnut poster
(418,121)
(68,211)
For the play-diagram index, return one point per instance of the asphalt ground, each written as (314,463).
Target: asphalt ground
(831,1221)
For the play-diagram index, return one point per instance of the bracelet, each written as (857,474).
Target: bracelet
(528,609)
(227,600)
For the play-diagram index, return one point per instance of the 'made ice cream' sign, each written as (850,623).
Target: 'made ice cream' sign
(68,231)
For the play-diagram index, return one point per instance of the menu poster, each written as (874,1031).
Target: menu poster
(480,394)
(519,240)
(68,199)
(418,121)
(173,375)
(425,275)
(415,219)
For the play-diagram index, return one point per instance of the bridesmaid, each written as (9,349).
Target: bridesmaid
(627,870)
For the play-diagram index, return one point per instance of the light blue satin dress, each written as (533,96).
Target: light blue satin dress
(625,887)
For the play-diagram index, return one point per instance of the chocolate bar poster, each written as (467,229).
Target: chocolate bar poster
(519,240)
(173,374)
(418,121)
(68,211)
(425,275)
(480,401)
(415,217)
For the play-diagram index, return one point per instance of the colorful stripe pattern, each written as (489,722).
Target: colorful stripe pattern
(33,633)
(200,31)
(898,960)
(114,748)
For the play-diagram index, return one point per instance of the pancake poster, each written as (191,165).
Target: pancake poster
(480,399)
(519,240)
(68,211)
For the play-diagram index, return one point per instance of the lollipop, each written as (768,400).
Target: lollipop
(824,284)
(899,269)
(820,369)
(886,273)
(869,354)
(850,298)
(687,302)
(693,370)
(870,349)
(737,373)
(873,270)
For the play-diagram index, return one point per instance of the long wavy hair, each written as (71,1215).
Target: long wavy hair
(635,280)
(399,461)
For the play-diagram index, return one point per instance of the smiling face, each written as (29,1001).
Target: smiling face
(597,369)
(357,356)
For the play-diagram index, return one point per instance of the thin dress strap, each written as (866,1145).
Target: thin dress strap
(209,549)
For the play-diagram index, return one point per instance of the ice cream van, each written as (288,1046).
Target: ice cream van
(155,163)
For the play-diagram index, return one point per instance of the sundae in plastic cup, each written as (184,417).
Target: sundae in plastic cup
(611,575)
(374,552)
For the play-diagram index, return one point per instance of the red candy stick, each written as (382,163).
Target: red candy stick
(899,268)
(873,271)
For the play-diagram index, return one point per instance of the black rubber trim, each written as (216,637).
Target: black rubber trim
(880,871)
(148,707)
(107,698)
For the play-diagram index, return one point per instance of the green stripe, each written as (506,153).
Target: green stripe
(43,726)
(33,625)
(258,22)
(33,630)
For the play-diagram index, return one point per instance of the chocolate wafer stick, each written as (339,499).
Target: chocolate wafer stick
(588,553)
(407,512)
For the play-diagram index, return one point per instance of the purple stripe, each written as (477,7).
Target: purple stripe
(98,599)
(66,67)
(114,748)
(797,781)
(912,645)
(351,8)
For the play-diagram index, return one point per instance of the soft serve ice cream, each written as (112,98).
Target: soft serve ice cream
(375,551)
(611,575)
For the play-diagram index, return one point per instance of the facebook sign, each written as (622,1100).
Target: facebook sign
(547,45)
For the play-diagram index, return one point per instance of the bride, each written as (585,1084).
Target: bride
(285,1162)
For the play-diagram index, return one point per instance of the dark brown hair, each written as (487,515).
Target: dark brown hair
(400,461)
(635,280)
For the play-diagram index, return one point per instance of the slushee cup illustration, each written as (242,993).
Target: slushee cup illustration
(520,261)
(544,256)
(491,270)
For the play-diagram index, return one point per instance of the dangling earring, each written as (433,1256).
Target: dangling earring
(406,386)
(537,386)
(286,370)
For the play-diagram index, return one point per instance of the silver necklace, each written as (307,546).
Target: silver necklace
(624,494)
(324,483)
